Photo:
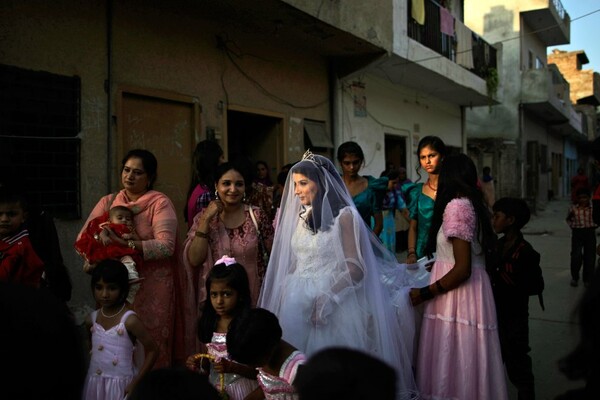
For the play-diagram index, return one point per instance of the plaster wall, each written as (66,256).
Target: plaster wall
(361,18)
(396,110)
(162,45)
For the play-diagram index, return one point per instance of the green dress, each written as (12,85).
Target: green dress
(370,200)
(421,210)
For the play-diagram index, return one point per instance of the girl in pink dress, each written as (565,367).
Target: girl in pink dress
(254,338)
(115,331)
(229,294)
(459,350)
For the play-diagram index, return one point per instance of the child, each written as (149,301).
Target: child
(18,261)
(514,255)
(344,373)
(95,244)
(459,338)
(229,293)
(114,330)
(254,338)
(583,237)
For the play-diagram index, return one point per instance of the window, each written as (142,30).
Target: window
(39,148)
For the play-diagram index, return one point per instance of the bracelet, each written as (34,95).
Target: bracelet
(425,293)
(439,286)
(201,234)
(411,252)
(131,244)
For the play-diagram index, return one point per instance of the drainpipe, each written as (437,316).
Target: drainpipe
(520,162)
(463,129)
(107,89)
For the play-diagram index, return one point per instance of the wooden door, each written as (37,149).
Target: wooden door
(165,124)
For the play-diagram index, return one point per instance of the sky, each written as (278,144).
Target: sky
(584,31)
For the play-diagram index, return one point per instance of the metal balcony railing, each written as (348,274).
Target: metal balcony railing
(431,36)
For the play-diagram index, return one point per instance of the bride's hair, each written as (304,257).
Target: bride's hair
(331,195)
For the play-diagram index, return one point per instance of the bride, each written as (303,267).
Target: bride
(330,281)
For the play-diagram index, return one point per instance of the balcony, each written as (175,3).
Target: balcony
(573,128)
(545,93)
(551,24)
(430,35)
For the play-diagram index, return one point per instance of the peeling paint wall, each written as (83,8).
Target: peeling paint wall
(159,45)
(396,110)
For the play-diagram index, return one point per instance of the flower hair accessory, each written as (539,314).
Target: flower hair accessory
(226,260)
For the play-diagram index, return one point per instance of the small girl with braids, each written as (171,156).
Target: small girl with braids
(228,290)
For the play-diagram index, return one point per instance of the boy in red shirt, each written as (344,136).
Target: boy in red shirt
(18,261)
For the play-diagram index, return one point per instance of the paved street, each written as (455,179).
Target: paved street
(552,332)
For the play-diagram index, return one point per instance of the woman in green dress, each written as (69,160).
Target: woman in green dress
(421,196)
(367,191)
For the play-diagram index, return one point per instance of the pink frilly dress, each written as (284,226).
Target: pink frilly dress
(459,350)
(111,365)
(280,387)
(236,386)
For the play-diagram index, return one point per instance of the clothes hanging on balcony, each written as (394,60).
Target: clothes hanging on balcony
(418,11)
(464,45)
(446,22)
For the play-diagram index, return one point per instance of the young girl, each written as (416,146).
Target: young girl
(254,338)
(459,350)
(229,293)
(95,245)
(114,330)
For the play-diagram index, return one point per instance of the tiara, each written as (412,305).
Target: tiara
(308,155)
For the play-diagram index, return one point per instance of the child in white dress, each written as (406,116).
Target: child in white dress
(115,330)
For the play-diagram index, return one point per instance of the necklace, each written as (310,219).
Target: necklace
(114,315)
(431,187)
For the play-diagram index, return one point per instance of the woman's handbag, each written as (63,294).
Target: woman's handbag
(261,242)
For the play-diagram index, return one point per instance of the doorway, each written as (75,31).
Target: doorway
(255,136)
(165,124)
(395,151)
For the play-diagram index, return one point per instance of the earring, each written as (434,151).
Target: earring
(217,195)
(244,198)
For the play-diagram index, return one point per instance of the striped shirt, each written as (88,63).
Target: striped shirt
(580,217)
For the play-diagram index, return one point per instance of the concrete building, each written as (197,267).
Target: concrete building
(585,97)
(434,68)
(83,82)
(522,139)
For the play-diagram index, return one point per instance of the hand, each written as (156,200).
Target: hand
(415,296)
(223,366)
(104,236)
(213,209)
(87,267)
(322,307)
(411,258)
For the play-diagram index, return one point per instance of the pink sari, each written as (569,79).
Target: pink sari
(161,302)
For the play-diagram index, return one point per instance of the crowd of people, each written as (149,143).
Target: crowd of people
(292,289)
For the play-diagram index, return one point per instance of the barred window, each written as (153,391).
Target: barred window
(39,148)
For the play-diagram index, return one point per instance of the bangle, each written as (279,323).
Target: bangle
(439,286)
(425,293)
(131,244)
(201,234)
(411,252)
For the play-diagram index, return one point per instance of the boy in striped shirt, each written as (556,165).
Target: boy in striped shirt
(583,237)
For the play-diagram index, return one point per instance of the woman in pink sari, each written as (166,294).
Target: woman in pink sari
(155,222)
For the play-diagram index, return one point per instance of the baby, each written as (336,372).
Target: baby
(95,244)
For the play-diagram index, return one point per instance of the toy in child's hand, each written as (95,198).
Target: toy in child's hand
(194,362)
